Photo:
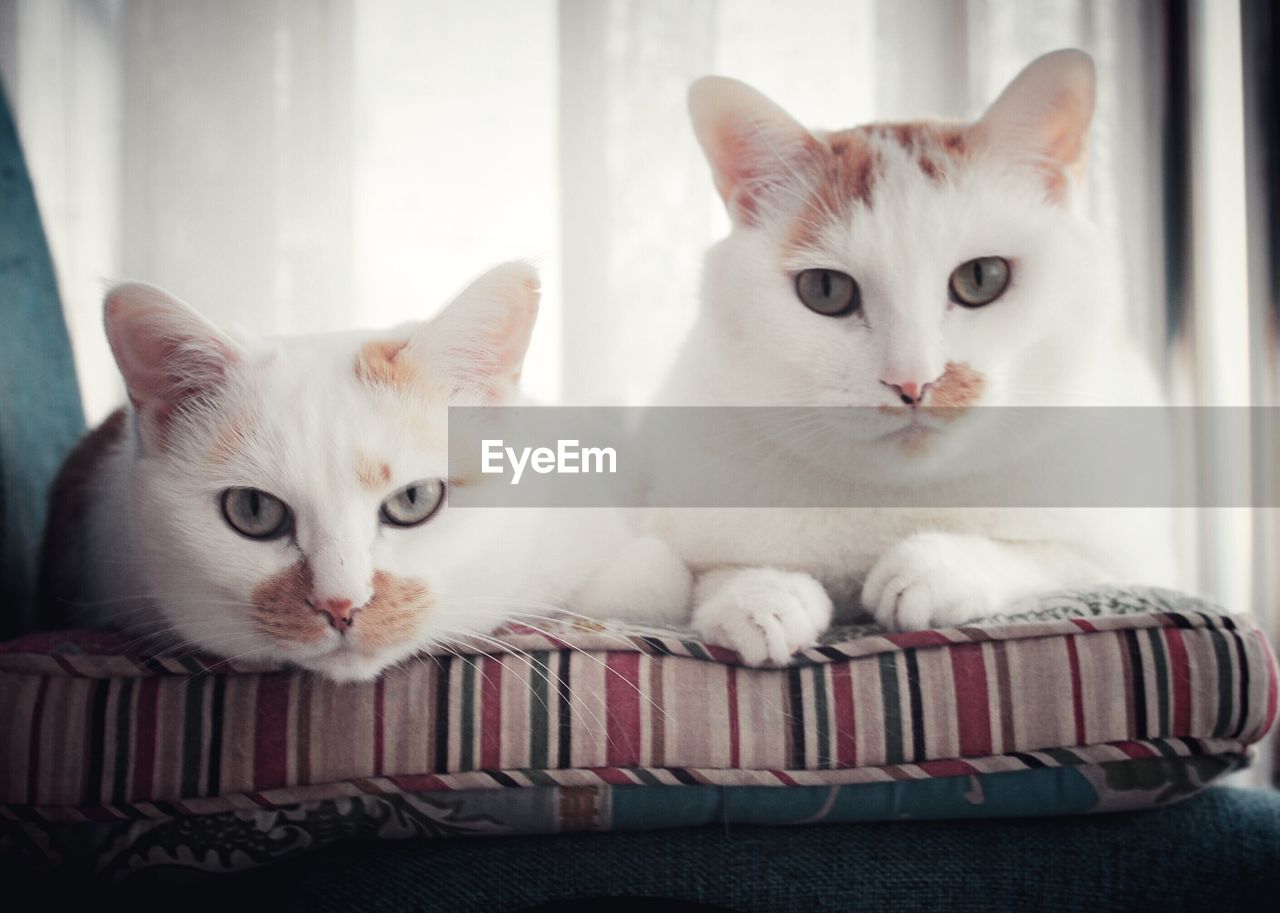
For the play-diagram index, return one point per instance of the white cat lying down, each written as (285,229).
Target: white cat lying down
(905,266)
(287,499)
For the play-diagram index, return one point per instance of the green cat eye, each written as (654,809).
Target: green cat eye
(979,281)
(253,513)
(413,504)
(828,292)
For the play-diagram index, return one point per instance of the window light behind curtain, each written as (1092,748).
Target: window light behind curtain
(295,164)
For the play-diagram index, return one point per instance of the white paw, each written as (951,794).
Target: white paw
(764,614)
(934,580)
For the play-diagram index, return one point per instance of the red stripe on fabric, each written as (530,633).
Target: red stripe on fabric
(66,666)
(951,767)
(98,813)
(271,732)
(491,713)
(731,674)
(419,782)
(1136,749)
(846,715)
(622,708)
(1180,677)
(1269,660)
(907,639)
(145,728)
(721,654)
(33,755)
(1084,625)
(259,799)
(613,776)
(379,723)
(1077,692)
(973,705)
(784,778)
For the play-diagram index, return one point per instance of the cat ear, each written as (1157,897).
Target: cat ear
(478,342)
(753,146)
(171,358)
(1044,114)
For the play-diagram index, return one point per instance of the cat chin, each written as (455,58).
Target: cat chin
(348,665)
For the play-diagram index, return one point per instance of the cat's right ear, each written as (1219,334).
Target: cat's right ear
(171,358)
(753,146)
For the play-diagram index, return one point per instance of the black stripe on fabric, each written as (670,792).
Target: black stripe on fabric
(95,788)
(1139,683)
(167,808)
(1194,745)
(683,776)
(444,667)
(1227,622)
(503,779)
(1181,621)
(795,700)
(217,715)
(657,646)
(564,748)
(154,666)
(192,735)
(124,743)
(917,705)
(1244,684)
(1029,760)
(829,652)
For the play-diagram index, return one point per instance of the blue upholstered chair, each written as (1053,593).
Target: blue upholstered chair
(1219,851)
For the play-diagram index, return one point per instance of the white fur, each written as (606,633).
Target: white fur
(163,561)
(1055,338)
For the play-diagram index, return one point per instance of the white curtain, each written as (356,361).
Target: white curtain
(293,165)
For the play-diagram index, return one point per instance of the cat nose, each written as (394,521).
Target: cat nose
(341,612)
(910,392)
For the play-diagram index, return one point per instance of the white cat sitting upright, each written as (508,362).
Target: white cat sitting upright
(286,499)
(899,266)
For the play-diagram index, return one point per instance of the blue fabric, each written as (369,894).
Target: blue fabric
(1218,851)
(40,412)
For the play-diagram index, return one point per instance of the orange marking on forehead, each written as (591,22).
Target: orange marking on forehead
(852,163)
(371,473)
(382,364)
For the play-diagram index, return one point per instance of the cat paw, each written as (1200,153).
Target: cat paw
(933,580)
(763,614)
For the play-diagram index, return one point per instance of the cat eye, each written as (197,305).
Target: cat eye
(980,281)
(413,504)
(828,292)
(253,513)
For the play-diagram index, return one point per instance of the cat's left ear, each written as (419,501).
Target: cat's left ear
(1043,117)
(478,342)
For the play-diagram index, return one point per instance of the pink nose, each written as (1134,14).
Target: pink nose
(341,614)
(911,393)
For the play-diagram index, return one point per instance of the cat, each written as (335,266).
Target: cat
(898,267)
(287,500)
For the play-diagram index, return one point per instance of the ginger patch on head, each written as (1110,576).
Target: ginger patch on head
(384,364)
(372,474)
(853,161)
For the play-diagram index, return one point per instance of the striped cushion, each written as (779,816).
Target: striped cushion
(1087,701)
